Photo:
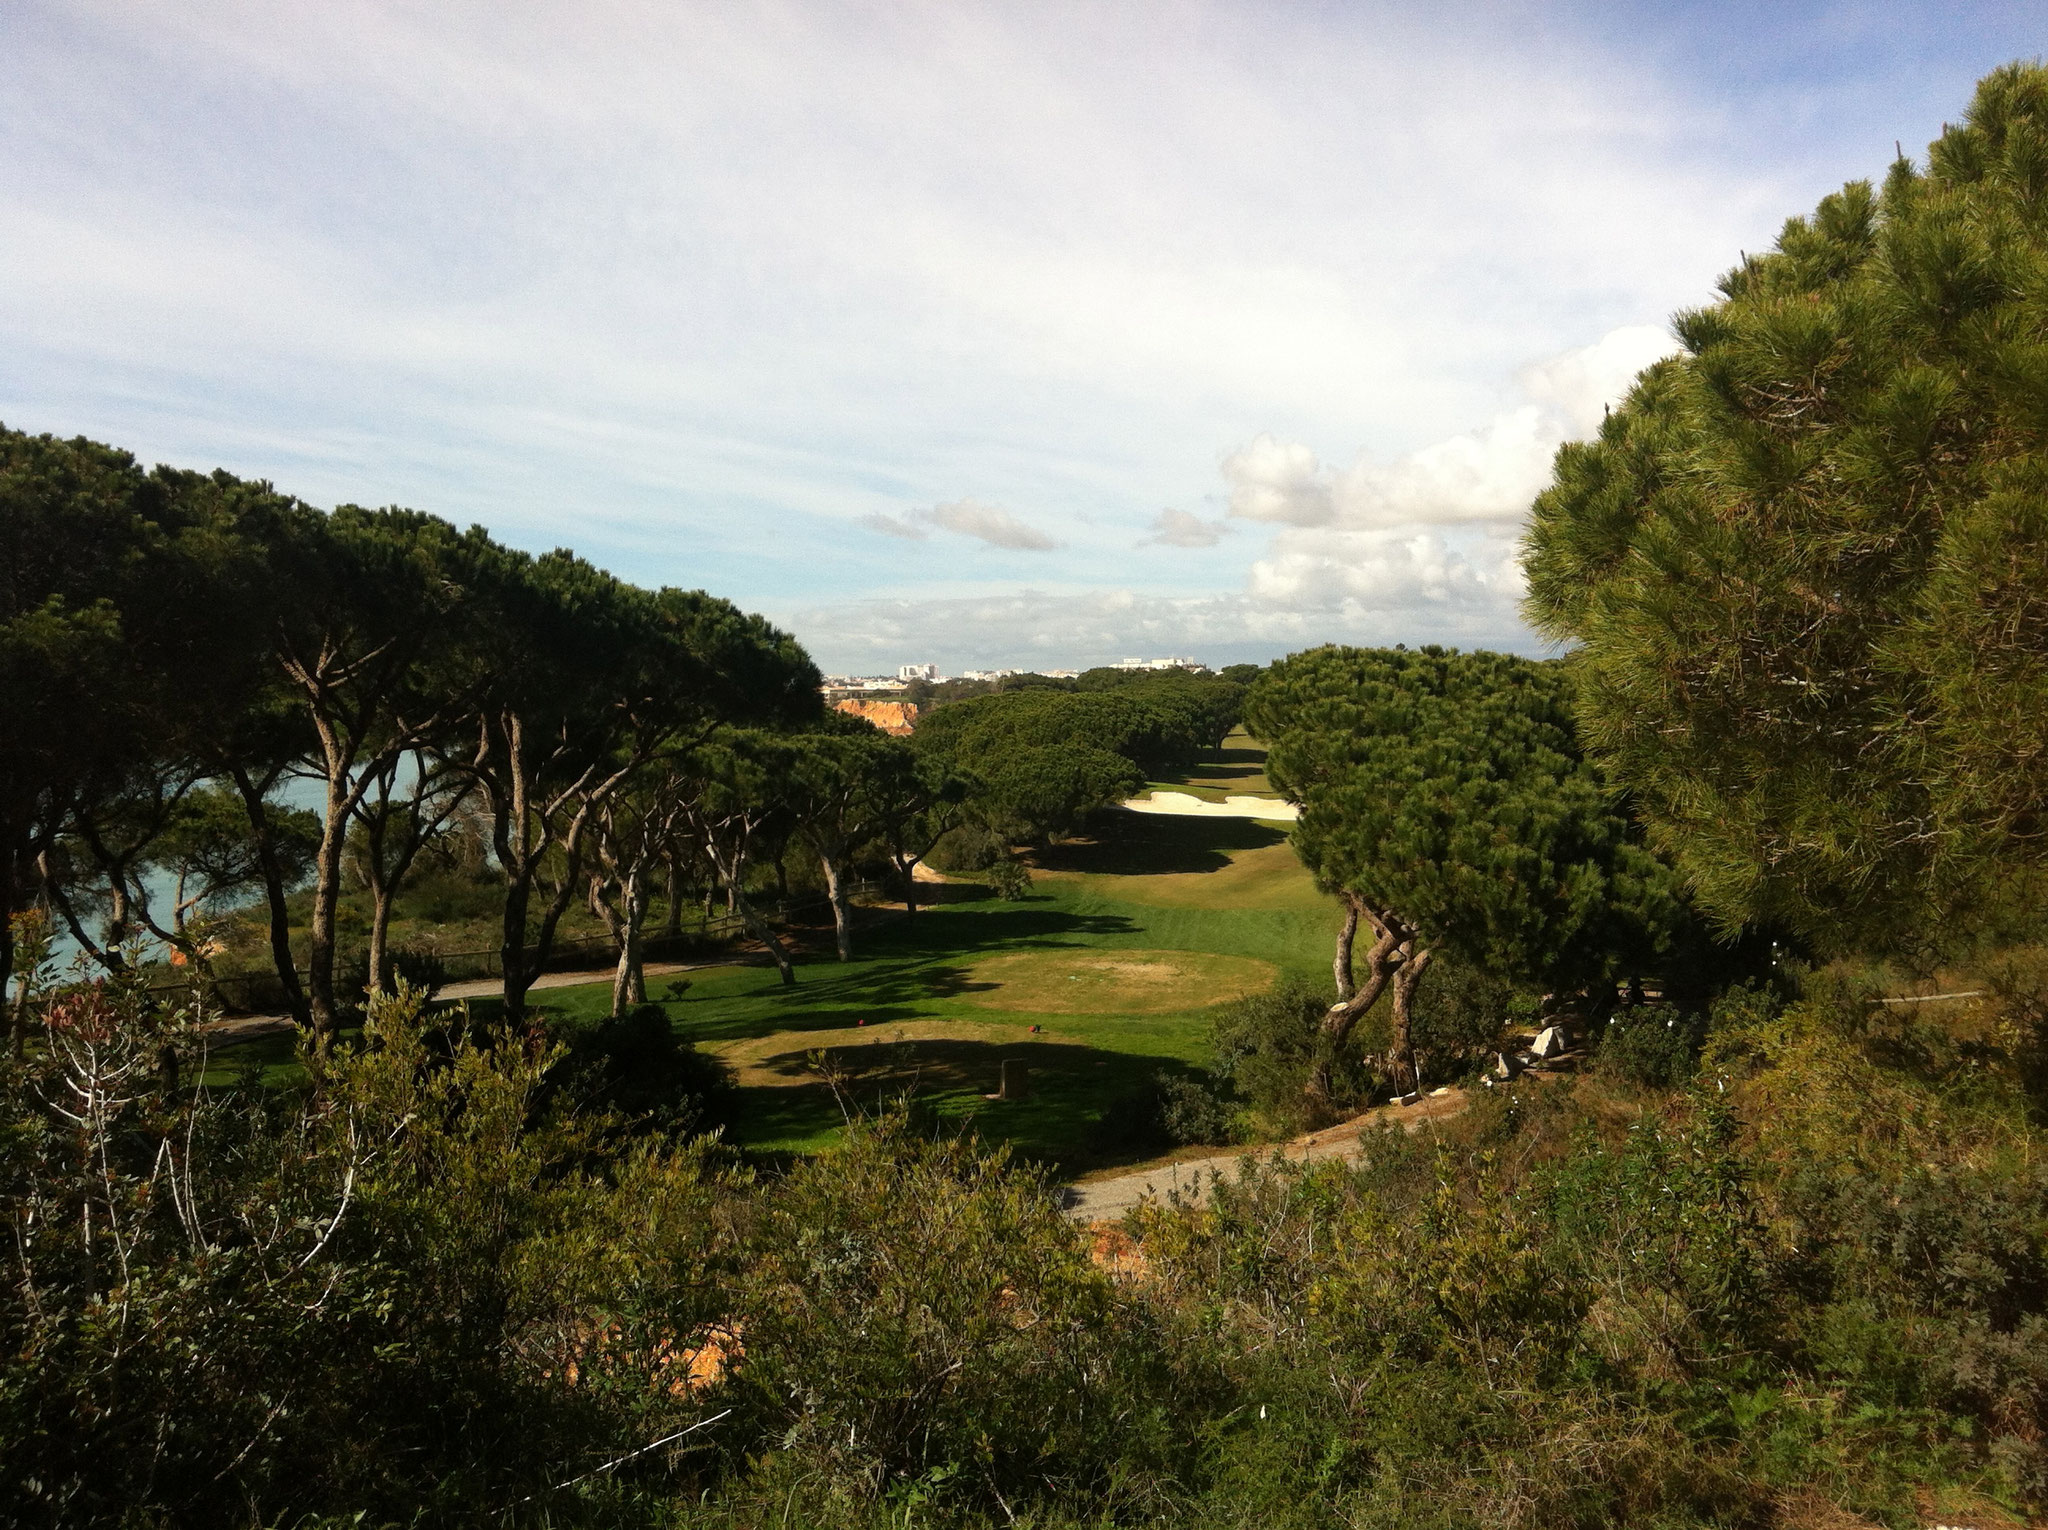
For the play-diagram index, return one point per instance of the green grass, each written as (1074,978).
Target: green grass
(936,1004)
(1238,769)
(914,1010)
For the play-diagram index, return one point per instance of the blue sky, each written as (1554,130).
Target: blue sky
(985,334)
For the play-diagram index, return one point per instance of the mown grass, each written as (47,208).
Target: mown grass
(935,1005)
(1100,980)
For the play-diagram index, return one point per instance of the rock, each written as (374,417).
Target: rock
(1506,1065)
(1551,1041)
(1437,1094)
(1406,1099)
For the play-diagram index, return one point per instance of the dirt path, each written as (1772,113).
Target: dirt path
(249,1027)
(1106,1199)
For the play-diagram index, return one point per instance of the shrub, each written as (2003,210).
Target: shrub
(1268,1045)
(1011,880)
(1460,1013)
(969,847)
(634,1066)
(1193,1110)
(422,968)
(1654,1045)
(920,1319)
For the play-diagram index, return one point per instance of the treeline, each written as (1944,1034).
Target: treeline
(189,658)
(178,650)
(1043,754)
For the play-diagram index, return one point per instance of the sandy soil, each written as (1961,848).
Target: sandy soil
(1186,805)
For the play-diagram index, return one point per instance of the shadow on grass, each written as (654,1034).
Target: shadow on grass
(1158,844)
(1086,1109)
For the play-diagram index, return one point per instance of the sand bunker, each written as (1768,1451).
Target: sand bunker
(1190,806)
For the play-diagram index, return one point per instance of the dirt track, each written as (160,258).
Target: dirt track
(1106,1199)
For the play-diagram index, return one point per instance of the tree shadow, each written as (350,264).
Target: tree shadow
(1123,844)
(1085,1108)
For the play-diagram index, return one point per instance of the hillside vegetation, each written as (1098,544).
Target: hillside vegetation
(1759,1240)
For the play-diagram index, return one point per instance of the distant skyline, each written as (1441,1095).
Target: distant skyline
(986,335)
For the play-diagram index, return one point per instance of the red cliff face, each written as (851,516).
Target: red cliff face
(897,717)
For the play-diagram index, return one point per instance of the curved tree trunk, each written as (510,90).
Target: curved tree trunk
(1381,964)
(1347,933)
(842,911)
(760,929)
(1406,978)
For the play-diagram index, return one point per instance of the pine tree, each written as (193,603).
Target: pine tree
(1806,562)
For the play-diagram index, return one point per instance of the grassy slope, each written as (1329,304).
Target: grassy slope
(1216,905)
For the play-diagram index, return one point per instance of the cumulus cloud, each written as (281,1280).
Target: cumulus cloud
(964,517)
(1484,476)
(1177,528)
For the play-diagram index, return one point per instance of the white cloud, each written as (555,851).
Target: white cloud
(1577,387)
(1489,475)
(1177,528)
(1325,568)
(894,526)
(988,523)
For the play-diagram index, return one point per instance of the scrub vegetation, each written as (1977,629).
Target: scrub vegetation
(780,1240)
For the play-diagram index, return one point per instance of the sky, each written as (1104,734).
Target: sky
(1024,335)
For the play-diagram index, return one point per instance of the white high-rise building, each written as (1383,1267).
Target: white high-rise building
(917,672)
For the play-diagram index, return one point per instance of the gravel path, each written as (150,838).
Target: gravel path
(1107,1199)
(249,1027)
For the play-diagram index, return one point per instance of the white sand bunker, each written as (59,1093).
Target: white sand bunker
(1230,807)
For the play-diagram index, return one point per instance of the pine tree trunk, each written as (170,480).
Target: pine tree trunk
(381,899)
(760,930)
(1406,977)
(274,895)
(842,913)
(1347,934)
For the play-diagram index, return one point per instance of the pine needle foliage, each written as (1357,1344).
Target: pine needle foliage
(1806,561)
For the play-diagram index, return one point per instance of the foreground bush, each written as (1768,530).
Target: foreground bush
(452,1285)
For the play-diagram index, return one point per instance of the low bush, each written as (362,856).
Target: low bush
(1267,1046)
(1194,1110)
(1654,1045)
(1011,879)
(634,1067)
(969,847)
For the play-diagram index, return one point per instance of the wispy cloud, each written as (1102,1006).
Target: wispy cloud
(963,517)
(989,523)
(894,526)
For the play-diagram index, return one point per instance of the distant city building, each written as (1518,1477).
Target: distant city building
(985,674)
(1160,664)
(918,672)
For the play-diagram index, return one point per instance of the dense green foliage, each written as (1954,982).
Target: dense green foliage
(1038,762)
(1807,561)
(177,649)
(451,1290)
(1445,799)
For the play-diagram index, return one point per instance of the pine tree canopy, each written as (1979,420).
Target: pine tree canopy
(1806,562)
(1448,790)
